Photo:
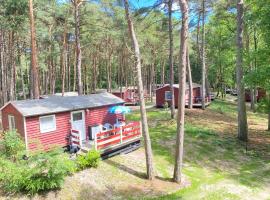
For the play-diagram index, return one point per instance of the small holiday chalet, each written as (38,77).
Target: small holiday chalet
(85,121)
(128,94)
(163,95)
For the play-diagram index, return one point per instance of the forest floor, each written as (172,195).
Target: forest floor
(216,165)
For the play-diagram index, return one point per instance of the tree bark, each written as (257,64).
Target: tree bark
(145,131)
(181,97)
(171,59)
(163,72)
(190,83)
(3,68)
(64,58)
(77,4)
(242,116)
(269,121)
(34,64)
(203,54)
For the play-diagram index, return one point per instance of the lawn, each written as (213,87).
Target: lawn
(216,165)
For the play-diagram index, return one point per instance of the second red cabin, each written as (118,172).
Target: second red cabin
(163,95)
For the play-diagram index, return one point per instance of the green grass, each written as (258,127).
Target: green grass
(211,162)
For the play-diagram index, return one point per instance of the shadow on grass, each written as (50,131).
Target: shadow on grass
(207,149)
(125,168)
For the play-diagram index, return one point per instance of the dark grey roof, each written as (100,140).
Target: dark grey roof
(57,104)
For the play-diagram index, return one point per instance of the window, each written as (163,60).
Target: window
(47,124)
(168,95)
(11,122)
(77,116)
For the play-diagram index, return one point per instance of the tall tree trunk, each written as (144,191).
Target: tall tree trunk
(77,4)
(181,97)
(190,83)
(74,70)
(145,131)
(203,55)
(171,59)
(242,115)
(255,68)
(269,112)
(64,58)
(163,72)
(197,40)
(68,66)
(12,67)
(34,64)
(3,68)
(21,73)
(269,121)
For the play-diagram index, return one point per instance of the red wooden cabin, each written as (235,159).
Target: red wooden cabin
(45,123)
(260,94)
(128,94)
(163,95)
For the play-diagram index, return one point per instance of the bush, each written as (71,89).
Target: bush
(91,159)
(13,144)
(40,173)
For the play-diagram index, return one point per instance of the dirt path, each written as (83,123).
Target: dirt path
(120,177)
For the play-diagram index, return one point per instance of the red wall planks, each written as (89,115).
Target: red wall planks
(160,95)
(11,110)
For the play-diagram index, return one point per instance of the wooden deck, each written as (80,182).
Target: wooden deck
(113,139)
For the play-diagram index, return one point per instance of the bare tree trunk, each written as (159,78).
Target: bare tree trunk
(269,112)
(64,58)
(190,84)
(242,115)
(3,68)
(145,131)
(34,71)
(197,40)
(171,59)
(74,70)
(163,72)
(77,4)
(203,54)
(268,121)
(253,106)
(21,73)
(68,66)
(181,97)
(12,67)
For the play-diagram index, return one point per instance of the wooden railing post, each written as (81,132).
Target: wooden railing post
(121,134)
(95,138)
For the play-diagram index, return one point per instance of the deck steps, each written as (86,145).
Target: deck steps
(121,150)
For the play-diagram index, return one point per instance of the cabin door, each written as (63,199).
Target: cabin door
(78,123)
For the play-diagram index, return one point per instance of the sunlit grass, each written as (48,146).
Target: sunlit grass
(209,159)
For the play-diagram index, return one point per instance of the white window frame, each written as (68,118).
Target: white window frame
(47,130)
(166,95)
(10,122)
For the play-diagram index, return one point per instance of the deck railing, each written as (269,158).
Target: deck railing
(117,136)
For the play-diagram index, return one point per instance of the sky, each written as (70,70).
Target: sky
(142,3)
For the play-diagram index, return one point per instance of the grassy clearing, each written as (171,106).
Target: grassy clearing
(217,165)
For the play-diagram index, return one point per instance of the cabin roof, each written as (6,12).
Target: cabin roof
(117,90)
(56,104)
(194,85)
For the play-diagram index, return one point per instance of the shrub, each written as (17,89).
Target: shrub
(13,144)
(40,173)
(91,159)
